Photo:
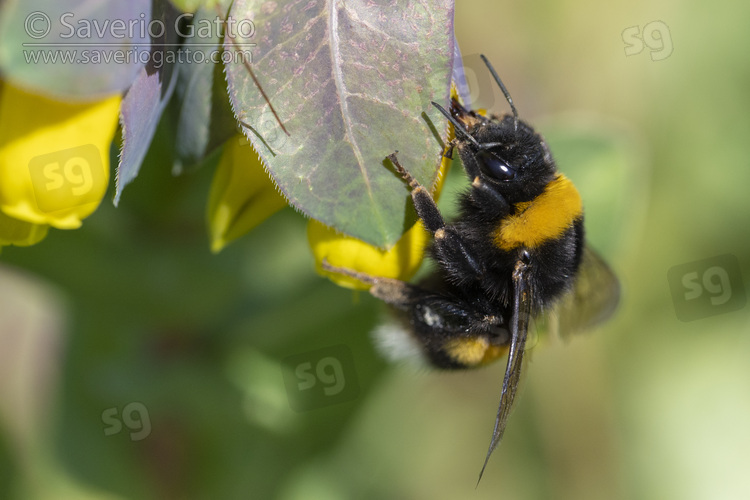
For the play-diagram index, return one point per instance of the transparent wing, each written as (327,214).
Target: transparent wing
(592,300)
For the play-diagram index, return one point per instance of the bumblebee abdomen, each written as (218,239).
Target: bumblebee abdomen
(545,218)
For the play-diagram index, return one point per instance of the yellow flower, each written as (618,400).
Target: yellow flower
(242,194)
(400,261)
(20,233)
(54,162)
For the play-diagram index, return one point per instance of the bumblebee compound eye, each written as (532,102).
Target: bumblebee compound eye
(496,168)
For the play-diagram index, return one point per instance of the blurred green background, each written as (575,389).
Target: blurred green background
(133,308)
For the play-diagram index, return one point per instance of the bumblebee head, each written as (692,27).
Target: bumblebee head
(502,154)
(506,155)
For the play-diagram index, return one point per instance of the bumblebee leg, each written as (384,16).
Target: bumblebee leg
(404,295)
(448,153)
(363,277)
(451,250)
(391,291)
(453,254)
(489,195)
(426,208)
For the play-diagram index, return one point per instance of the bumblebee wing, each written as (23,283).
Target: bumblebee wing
(519,326)
(592,300)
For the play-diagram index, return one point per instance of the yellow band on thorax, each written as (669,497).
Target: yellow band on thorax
(544,218)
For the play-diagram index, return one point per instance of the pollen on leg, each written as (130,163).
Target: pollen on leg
(440,234)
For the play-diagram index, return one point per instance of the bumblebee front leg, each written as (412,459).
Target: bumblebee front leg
(450,248)
(448,153)
(426,208)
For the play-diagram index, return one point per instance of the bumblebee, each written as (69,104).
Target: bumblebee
(515,252)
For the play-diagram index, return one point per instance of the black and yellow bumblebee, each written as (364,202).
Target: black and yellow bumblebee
(515,252)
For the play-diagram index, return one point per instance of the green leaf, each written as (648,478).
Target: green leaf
(351,82)
(146,100)
(205,119)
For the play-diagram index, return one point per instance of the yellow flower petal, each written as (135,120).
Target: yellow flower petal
(54,156)
(20,233)
(242,194)
(399,262)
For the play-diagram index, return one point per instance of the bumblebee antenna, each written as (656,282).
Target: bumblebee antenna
(502,87)
(456,124)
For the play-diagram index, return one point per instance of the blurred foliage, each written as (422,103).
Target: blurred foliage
(648,407)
